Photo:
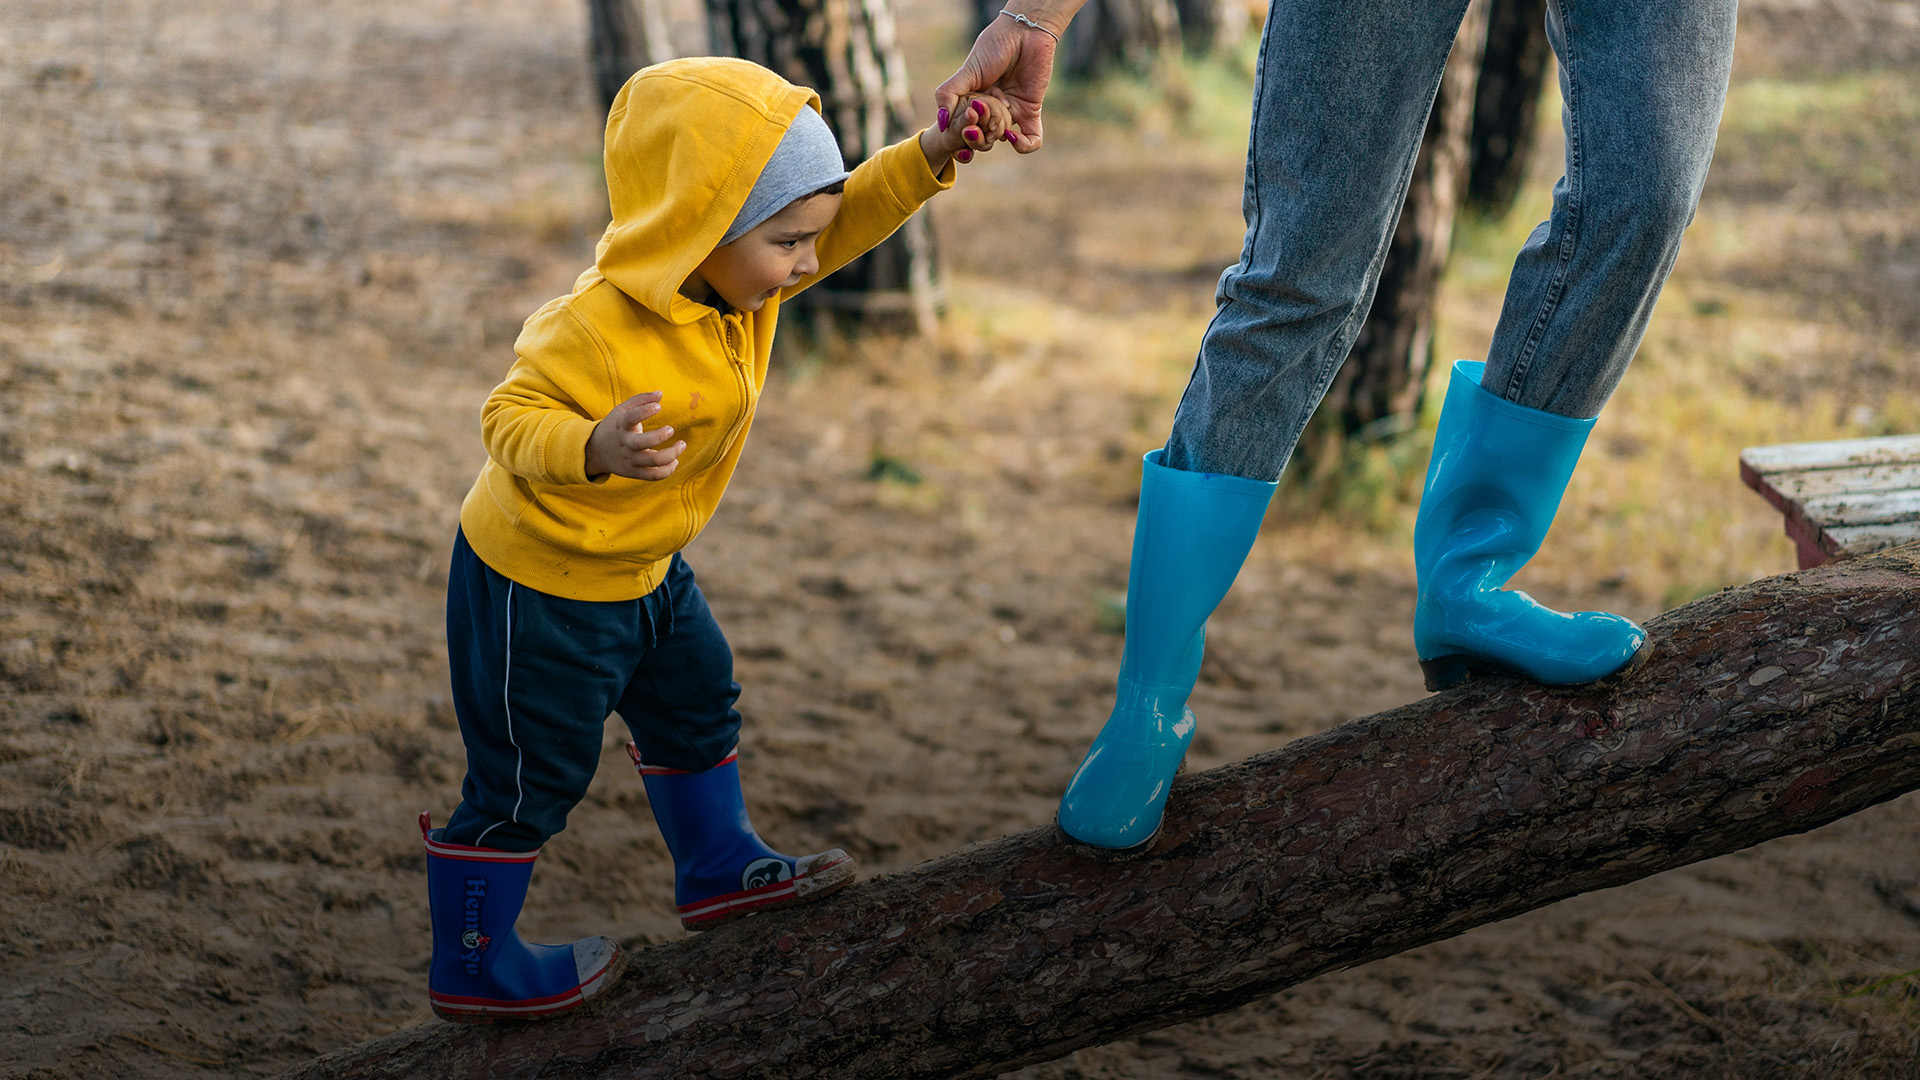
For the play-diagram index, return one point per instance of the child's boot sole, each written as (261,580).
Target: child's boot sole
(478,1013)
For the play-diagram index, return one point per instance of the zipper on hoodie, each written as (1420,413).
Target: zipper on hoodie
(730,326)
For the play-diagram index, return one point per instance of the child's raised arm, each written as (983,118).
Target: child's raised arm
(886,189)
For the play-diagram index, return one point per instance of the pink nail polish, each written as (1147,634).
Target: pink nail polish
(978,109)
(964,156)
(1008,136)
(972,134)
(943,119)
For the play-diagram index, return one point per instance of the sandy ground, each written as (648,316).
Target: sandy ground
(259,267)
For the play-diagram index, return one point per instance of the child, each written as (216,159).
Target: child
(568,598)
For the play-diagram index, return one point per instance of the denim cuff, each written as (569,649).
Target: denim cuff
(1220,483)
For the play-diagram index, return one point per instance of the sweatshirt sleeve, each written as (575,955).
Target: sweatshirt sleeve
(883,192)
(535,424)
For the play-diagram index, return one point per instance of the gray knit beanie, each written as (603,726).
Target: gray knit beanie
(807,159)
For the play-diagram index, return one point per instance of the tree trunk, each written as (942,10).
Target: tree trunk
(1766,709)
(1119,33)
(1206,25)
(846,51)
(625,36)
(1507,103)
(1378,390)
(984,12)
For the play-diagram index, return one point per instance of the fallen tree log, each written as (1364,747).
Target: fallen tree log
(1767,709)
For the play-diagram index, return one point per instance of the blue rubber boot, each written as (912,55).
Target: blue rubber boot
(1493,486)
(1193,532)
(721,868)
(482,971)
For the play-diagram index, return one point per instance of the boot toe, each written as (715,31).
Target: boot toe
(1511,633)
(817,875)
(1598,644)
(597,962)
(1116,800)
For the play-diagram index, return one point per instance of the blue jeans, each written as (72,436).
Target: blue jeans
(1340,102)
(535,675)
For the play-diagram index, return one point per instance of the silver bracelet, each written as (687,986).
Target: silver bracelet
(1024,21)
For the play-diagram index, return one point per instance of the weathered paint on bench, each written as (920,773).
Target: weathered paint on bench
(1843,497)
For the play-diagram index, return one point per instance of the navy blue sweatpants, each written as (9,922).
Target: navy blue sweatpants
(534,677)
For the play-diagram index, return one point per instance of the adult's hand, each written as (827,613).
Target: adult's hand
(1016,61)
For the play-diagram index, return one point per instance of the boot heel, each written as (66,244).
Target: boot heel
(1445,672)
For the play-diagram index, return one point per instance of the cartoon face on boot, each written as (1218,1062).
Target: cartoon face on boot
(764,871)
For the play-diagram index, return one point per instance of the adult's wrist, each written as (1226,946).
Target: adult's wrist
(1052,14)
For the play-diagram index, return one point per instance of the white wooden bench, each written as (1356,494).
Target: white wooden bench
(1840,498)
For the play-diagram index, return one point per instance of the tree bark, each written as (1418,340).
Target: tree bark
(1506,104)
(846,50)
(1766,710)
(1378,389)
(623,37)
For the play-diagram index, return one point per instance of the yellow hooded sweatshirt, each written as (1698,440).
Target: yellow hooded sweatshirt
(685,142)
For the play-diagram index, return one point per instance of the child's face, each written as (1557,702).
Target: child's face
(774,255)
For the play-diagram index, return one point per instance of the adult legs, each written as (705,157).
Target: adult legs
(1341,99)
(1643,83)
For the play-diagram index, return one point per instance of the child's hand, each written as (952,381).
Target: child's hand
(974,126)
(618,446)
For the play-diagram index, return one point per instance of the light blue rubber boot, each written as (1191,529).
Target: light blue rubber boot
(1193,532)
(1493,486)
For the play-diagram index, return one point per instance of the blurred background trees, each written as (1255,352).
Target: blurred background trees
(624,36)
(1506,100)
(847,51)
(1377,392)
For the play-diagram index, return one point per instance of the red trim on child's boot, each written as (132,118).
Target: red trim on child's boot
(661,770)
(445,1003)
(463,851)
(714,910)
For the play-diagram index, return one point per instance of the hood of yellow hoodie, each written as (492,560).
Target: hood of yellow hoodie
(685,142)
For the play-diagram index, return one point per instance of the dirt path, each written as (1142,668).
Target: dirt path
(256,273)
